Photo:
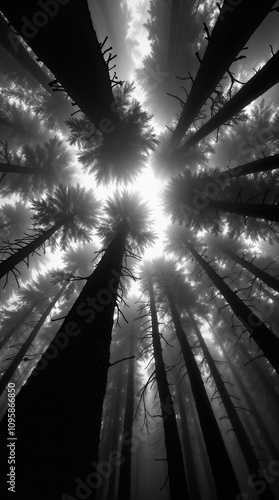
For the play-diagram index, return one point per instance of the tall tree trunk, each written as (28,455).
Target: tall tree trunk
(222,49)
(89,86)
(116,429)
(202,450)
(261,165)
(17,169)
(28,342)
(21,320)
(256,415)
(256,271)
(177,478)
(256,210)
(246,354)
(124,488)
(221,466)
(11,42)
(69,385)
(11,262)
(240,433)
(263,80)
(262,335)
(187,446)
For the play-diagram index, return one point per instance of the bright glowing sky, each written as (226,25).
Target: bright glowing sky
(147,183)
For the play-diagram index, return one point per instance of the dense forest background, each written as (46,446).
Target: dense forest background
(139,271)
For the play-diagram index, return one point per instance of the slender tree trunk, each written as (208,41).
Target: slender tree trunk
(187,446)
(8,168)
(89,86)
(69,385)
(222,49)
(124,489)
(269,389)
(240,433)
(115,431)
(11,262)
(256,210)
(256,271)
(28,342)
(177,478)
(202,450)
(263,80)
(246,354)
(259,422)
(261,165)
(262,335)
(221,466)
(9,334)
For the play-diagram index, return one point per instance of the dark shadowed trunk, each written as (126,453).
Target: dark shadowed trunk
(269,388)
(177,478)
(69,385)
(263,80)
(262,165)
(187,446)
(8,168)
(222,470)
(210,487)
(256,271)
(11,42)
(261,334)
(124,488)
(89,86)
(21,255)
(115,430)
(250,457)
(255,210)
(222,49)
(274,450)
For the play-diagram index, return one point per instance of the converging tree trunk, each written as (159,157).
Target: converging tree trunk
(124,488)
(255,210)
(243,440)
(256,271)
(69,385)
(222,470)
(177,478)
(187,446)
(115,431)
(8,168)
(274,450)
(263,80)
(262,335)
(21,255)
(261,165)
(11,42)
(89,86)
(222,49)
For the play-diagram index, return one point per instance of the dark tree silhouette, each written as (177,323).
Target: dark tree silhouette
(81,345)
